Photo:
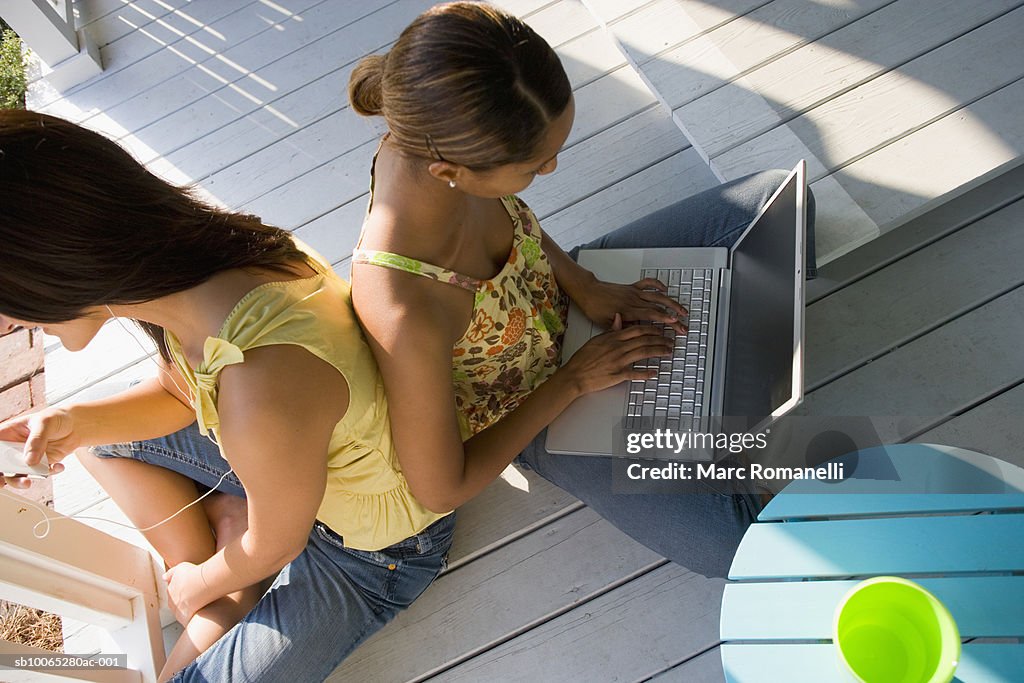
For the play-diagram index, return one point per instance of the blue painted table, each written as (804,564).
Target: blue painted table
(950,519)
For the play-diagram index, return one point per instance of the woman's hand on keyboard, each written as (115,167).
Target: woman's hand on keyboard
(645,300)
(608,358)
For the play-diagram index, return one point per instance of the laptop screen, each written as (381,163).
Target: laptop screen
(763,361)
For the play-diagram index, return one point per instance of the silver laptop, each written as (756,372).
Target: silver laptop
(739,367)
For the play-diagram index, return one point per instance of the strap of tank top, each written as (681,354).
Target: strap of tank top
(405,264)
(387,259)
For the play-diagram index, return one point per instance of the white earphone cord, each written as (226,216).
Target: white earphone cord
(47,519)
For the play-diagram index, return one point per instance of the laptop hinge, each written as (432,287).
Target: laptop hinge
(721,342)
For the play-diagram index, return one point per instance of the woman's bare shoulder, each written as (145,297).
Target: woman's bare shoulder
(403,303)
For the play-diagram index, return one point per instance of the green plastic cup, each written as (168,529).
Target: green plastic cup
(891,630)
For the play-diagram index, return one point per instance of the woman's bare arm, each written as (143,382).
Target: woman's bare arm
(600,301)
(411,325)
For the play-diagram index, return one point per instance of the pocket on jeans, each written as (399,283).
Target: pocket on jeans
(334,538)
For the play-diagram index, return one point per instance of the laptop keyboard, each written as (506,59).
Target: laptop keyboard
(675,399)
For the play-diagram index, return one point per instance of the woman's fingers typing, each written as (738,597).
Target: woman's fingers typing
(650,302)
(608,358)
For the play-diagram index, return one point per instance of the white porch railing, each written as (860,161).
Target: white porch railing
(48,28)
(79,572)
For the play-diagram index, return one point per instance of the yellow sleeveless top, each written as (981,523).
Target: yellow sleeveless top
(514,338)
(367,500)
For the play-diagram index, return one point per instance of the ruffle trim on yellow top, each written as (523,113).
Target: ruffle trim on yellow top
(217,355)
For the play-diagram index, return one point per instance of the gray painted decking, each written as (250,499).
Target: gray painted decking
(897,105)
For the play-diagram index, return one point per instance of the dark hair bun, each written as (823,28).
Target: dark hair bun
(365,90)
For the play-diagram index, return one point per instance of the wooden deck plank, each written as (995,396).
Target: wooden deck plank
(919,231)
(335,233)
(108,20)
(653,188)
(310,195)
(609,10)
(914,295)
(310,147)
(249,73)
(609,100)
(161,53)
(87,12)
(893,105)
(913,383)
(589,56)
(662,24)
(560,22)
(685,73)
(127,31)
(218,137)
(916,172)
(841,225)
(509,508)
(522,8)
(483,603)
(630,633)
(704,668)
(813,74)
(986,428)
(634,144)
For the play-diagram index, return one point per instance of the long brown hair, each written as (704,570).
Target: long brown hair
(464,83)
(82,224)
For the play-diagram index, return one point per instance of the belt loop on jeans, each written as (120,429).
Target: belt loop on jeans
(424,543)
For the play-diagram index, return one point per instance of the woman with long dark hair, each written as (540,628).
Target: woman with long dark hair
(266,392)
(477,105)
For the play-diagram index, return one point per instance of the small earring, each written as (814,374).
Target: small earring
(451,184)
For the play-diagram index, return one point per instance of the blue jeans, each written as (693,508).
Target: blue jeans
(699,530)
(322,605)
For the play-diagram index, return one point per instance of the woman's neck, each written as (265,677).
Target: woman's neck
(407,194)
(194,314)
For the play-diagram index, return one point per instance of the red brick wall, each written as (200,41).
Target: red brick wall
(21,372)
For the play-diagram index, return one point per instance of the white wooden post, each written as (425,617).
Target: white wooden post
(83,573)
(48,27)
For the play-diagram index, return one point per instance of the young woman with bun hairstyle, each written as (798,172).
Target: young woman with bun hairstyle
(463,297)
(266,392)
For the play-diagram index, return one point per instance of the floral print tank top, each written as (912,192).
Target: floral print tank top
(514,338)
